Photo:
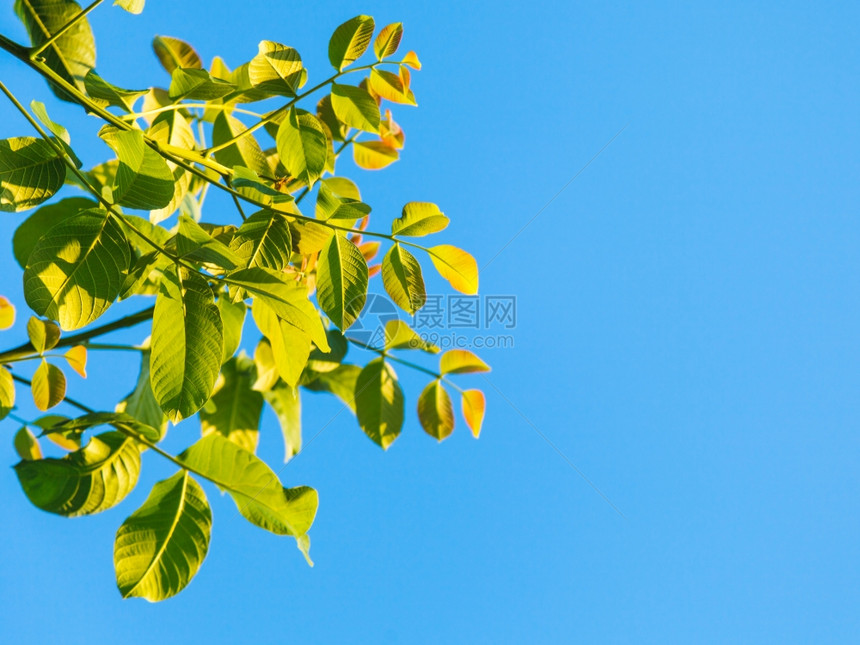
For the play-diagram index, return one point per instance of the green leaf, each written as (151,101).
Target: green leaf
(276,69)
(40,112)
(132,6)
(287,299)
(399,335)
(143,179)
(234,410)
(341,281)
(90,480)
(105,94)
(31,229)
(197,84)
(355,107)
(26,445)
(339,202)
(160,547)
(403,280)
(373,155)
(349,41)
(388,40)
(71,55)
(456,266)
(172,129)
(418,219)
(174,53)
(30,172)
(186,344)
(232,319)
(118,420)
(309,238)
(7,392)
(290,345)
(77,269)
(256,490)
(302,146)
(244,152)
(379,402)
(339,381)
(43,334)
(435,411)
(194,243)
(140,402)
(461,361)
(263,240)
(284,400)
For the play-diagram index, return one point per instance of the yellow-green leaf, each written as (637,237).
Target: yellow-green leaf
(419,219)
(173,53)
(234,410)
(403,280)
(26,445)
(388,40)
(31,171)
(349,41)
(290,346)
(132,6)
(104,94)
(461,361)
(140,403)
(435,411)
(160,547)
(456,266)
(341,281)
(355,107)
(287,405)
(43,334)
(7,392)
(373,155)
(7,313)
(143,179)
(263,240)
(276,69)
(399,335)
(302,146)
(197,84)
(244,152)
(390,86)
(48,386)
(379,402)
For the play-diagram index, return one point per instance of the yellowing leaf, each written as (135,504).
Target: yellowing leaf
(461,361)
(418,219)
(43,334)
(7,313)
(456,266)
(388,40)
(77,359)
(399,335)
(411,59)
(49,386)
(373,155)
(435,411)
(7,392)
(474,406)
(390,86)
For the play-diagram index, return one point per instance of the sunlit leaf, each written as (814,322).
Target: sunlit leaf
(284,400)
(174,53)
(90,480)
(302,145)
(461,361)
(76,357)
(232,320)
(197,84)
(411,59)
(244,152)
(276,69)
(186,344)
(390,86)
(403,280)
(143,179)
(474,406)
(71,55)
(43,334)
(132,6)
(373,155)
(379,402)
(234,410)
(341,281)
(26,445)
(456,266)
(7,392)
(290,346)
(355,107)
(263,240)
(7,313)
(160,547)
(339,381)
(34,227)
(104,94)
(194,243)
(77,269)
(388,40)
(48,386)
(172,129)
(399,335)
(31,171)
(140,402)
(435,411)
(418,219)
(349,41)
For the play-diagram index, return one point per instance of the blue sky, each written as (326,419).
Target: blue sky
(686,338)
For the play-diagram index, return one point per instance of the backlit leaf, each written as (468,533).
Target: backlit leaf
(172,129)
(143,179)
(234,410)
(340,382)
(197,84)
(373,155)
(456,266)
(7,392)
(399,335)
(105,94)
(174,53)
(302,145)
(461,361)
(379,402)
(341,281)
(232,320)
(132,6)
(402,279)
(411,59)
(7,313)
(390,86)
(355,107)
(77,269)
(186,344)
(435,411)
(76,357)
(140,402)
(388,40)
(419,219)
(30,172)
(43,334)
(26,445)
(276,69)
(474,406)
(245,151)
(287,405)
(48,386)
(263,240)
(290,346)
(194,243)
(90,480)
(35,226)
(349,41)
(160,547)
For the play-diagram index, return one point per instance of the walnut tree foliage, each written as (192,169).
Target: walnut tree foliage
(296,254)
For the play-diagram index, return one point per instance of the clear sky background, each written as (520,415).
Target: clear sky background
(687,338)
